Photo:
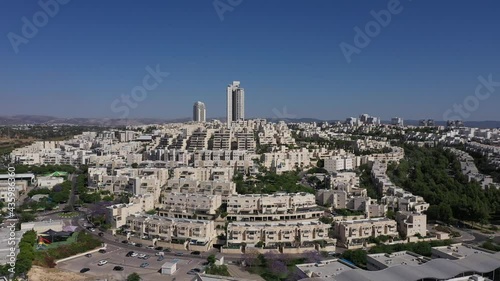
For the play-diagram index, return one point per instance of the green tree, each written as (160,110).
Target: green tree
(134,277)
(211,259)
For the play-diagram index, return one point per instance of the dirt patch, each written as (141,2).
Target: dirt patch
(53,274)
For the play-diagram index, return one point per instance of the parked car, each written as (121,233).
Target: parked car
(150,247)
(131,243)
(118,268)
(101,234)
(141,256)
(134,255)
(84,270)
(160,254)
(124,241)
(102,262)
(159,248)
(138,245)
(102,251)
(88,255)
(196,253)
(179,254)
(144,265)
(160,258)
(129,254)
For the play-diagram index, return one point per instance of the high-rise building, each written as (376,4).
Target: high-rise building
(397,121)
(199,112)
(235,105)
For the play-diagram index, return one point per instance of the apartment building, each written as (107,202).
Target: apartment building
(203,174)
(341,163)
(402,200)
(171,229)
(222,140)
(271,233)
(412,223)
(355,233)
(283,161)
(199,140)
(279,206)
(116,215)
(344,180)
(246,140)
(222,188)
(187,205)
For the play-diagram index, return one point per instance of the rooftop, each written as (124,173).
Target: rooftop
(458,251)
(398,258)
(325,269)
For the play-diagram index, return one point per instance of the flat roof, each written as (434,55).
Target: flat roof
(441,269)
(459,251)
(398,258)
(325,269)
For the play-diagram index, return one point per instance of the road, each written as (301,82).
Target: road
(71,201)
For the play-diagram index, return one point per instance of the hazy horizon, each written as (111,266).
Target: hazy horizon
(426,59)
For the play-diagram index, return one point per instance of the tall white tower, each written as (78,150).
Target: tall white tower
(235,104)
(199,112)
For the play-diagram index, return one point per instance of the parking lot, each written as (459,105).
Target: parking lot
(116,256)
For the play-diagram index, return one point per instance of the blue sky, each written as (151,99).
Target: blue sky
(285,53)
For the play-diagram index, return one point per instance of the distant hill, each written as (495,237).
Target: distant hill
(113,122)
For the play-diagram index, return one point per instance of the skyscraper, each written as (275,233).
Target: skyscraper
(199,112)
(235,105)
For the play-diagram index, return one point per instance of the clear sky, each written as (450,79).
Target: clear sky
(285,53)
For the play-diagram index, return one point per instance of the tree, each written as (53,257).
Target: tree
(134,277)
(211,259)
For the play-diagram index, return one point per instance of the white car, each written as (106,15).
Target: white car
(150,247)
(141,256)
(134,255)
(102,262)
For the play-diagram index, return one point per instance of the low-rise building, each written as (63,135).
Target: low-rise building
(293,234)
(116,215)
(412,223)
(273,207)
(356,233)
(48,182)
(186,205)
(457,251)
(382,261)
(199,232)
